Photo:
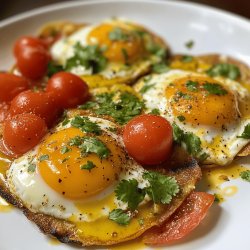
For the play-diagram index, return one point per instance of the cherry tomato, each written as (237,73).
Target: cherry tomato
(11,85)
(148,139)
(32,62)
(28,41)
(22,132)
(39,103)
(183,221)
(69,89)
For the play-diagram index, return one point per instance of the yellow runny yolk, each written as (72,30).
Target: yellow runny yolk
(198,105)
(126,48)
(63,171)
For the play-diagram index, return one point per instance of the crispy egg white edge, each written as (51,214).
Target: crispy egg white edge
(63,49)
(39,197)
(155,98)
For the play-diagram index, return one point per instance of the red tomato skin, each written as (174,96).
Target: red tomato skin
(28,41)
(22,132)
(32,62)
(187,217)
(148,139)
(11,85)
(69,89)
(39,103)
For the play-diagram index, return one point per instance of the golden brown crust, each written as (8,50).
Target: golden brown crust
(66,232)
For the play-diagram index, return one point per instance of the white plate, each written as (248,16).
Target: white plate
(227,225)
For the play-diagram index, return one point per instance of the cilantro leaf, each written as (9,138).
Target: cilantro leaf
(64,150)
(181,118)
(160,68)
(31,167)
(155,112)
(43,158)
(187,58)
(162,188)
(117,34)
(128,191)
(224,69)
(119,216)
(146,87)
(89,144)
(86,125)
(88,166)
(246,132)
(245,175)
(189,44)
(53,68)
(122,110)
(90,56)
(214,89)
(192,86)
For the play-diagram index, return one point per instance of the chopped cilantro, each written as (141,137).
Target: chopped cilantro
(31,167)
(86,125)
(180,94)
(117,34)
(64,150)
(90,56)
(125,55)
(155,112)
(187,58)
(65,159)
(192,86)
(162,188)
(53,68)
(191,141)
(224,69)
(141,221)
(189,44)
(65,122)
(88,166)
(160,68)
(128,191)
(156,49)
(246,132)
(181,118)
(89,144)
(43,158)
(245,175)
(119,216)
(214,89)
(122,110)
(146,87)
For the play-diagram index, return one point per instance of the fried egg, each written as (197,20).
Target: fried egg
(126,51)
(215,110)
(53,179)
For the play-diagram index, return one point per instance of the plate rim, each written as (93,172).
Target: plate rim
(244,21)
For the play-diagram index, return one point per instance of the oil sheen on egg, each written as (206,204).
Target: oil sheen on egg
(50,180)
(216,110)
(123,44)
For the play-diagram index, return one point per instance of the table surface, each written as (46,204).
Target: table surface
(10,8)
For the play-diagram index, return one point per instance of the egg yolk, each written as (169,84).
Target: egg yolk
(64,167)
(202,100)
(120,45)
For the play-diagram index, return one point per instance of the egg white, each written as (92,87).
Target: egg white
(223,152)
(36,195)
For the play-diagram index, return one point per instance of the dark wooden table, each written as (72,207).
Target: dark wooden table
(11,7)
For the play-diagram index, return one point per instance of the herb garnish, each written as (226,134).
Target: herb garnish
(88,166)
(128,191)
(122,110)
(120,217)
(155,112)
(191,141)
(65,150)
(86,125)
(160,68)
(146,87)
(89,144)
(187,58)
(117,34)
(53,68)
(90,56)
(181,118)
(31,167)
(189,44)
(43,158)
(246,132)
(214,88)
(224,69)
(245,175)
(192,85)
